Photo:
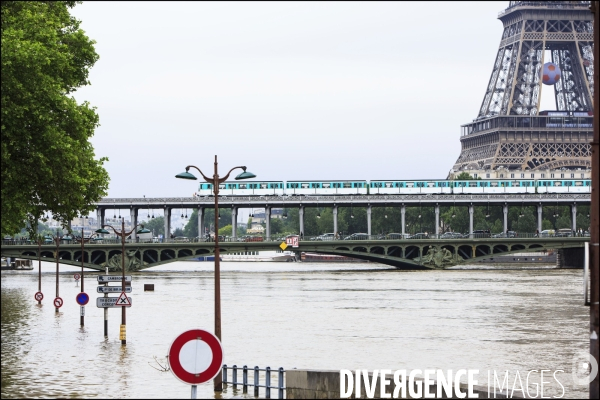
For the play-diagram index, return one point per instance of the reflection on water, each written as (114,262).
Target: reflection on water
(303,315)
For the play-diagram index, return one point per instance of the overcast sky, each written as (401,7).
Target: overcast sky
(293,90)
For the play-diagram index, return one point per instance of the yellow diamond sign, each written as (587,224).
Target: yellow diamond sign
(283,246)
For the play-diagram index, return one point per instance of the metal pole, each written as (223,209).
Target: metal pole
(123,323)
(57,248)
(39,266)
(218,382)
(194,391)
(106,310)
(595,220)
(82,253)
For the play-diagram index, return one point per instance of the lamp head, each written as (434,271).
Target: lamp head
(103,231)
(245,175)
(186,175)
(143,230)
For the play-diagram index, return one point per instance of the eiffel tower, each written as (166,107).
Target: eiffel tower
(510,132)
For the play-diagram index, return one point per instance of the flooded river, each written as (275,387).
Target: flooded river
(292,315)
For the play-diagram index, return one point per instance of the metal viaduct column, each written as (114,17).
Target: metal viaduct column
(539,217)
(234,223)
(471,210)
(369,209)
(133,214)
(100,213)
(167,223)
(335,224)
(403,219)
(505,215)
(574,218)
(268,221)
(200,222)
(437,220)
(301,215)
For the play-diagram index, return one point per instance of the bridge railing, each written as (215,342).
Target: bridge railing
(355,236)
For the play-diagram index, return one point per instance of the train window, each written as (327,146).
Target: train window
(242,185)
(578,183)
(326,185)
(337,185)
(305,185)
(420,184)
(568,183)
(358,184)
(472,184)
(263,185)
(493,184)
(347,185)
(293,185)
(376,184)
(390,185)
(315,185)
(557,183)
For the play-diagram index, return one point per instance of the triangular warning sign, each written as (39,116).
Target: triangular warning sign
(123,300)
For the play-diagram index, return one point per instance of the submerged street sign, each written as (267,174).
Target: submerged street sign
(113,278)
(113,289)
(109,302)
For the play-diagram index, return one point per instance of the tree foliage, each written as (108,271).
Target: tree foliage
(48,163)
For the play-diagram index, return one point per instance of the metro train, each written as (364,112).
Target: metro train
(295,188)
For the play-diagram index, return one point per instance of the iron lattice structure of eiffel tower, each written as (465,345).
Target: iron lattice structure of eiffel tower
(510,132)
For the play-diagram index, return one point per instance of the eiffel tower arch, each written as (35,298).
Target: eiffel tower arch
(511,132)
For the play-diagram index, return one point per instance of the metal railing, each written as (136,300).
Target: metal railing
(256,379)
(356,236)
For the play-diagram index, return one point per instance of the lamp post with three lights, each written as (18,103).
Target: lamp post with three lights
(215,181)
(122,234)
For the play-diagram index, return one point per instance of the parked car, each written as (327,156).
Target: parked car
(326,236)
(451,235)
(481,233)
(547,233)
(420,235)
(565,232)
(397,236)
(357,236)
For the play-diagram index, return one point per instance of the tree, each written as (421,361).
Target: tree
(48,163)
(156,225)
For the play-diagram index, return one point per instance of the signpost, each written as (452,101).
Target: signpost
(58,302)
(112,289)
(292,241)
(110,302)
(39,296)
(196,356)
(113,278)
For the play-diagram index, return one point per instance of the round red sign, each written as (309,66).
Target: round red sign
(196,356)
(39,296)
(58,302)
(76,276)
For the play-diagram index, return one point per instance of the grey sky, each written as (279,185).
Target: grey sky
(293,90)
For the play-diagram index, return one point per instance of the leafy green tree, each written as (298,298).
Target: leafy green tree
(156,225)
(464,176)
(48,163)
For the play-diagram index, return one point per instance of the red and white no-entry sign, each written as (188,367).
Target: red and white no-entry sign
(76,276)
(196,356)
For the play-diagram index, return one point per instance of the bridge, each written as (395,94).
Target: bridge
(505,200)
(407,254)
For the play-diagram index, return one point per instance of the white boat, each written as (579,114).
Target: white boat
(267,255)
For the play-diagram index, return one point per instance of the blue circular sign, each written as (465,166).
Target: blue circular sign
(82,299)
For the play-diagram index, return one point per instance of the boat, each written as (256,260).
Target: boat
(260,256)
(203,258)
(16,264)
(316,257)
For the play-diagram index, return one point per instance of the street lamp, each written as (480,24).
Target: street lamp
(215,181)
(82,261)
(123,234)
